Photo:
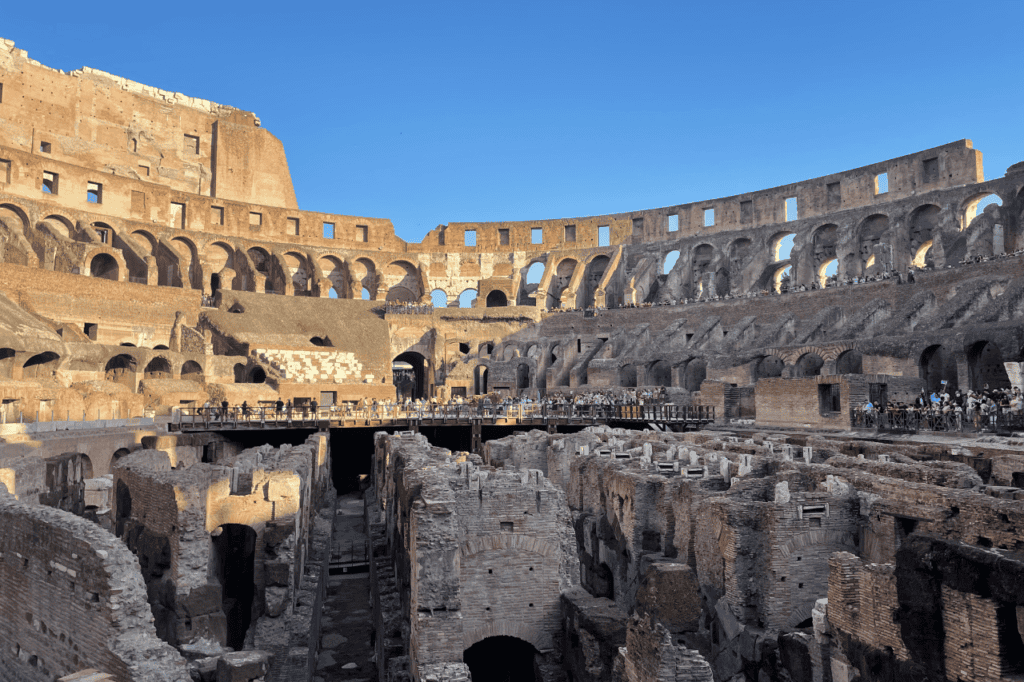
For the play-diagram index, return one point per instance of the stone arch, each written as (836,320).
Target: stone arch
(402,273)
(467,298)
(782,279)
(808,364)
(671,258)
(827,269)
(850,362)
(517,542)
(158,368)
(480,379)
(400,295)
(66,226)
(781,245)
(739,253)
(364,274)
(145,241)
(659,373)
(504,628)
(121,369)
(257,375)
(564,272)
(219,255)
(985,366)
(332,268)
(532,274)
(700,262)
(497,299)
(192,370)
(40,366)
(11,214)
(187,251)
(6,362)
(806,545)
(823,242)
(870,233)
(969,208)
(923,224)
(297,271)
(627,376)
(937,364)
(104,266)
(768,367)
(694,375)
(439,298)
(596,269)
(522,376)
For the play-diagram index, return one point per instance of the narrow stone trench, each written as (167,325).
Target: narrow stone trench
(346,620)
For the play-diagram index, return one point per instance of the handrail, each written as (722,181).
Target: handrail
(934,420)
(235,416)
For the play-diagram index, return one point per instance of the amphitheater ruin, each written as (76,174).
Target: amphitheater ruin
(771,437)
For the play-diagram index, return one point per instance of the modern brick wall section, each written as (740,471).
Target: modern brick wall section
(316,367)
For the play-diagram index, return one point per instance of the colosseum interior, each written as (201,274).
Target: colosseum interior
(242,441)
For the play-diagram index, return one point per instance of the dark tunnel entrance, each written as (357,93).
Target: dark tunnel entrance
(501,659)
(234,557)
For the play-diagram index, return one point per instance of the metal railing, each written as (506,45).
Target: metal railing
(302,416)
(934,420)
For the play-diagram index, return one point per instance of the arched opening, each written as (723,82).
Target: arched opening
(695,374)
(502,659)
(6,362)
(405,275)
(364,273)
(321,341)
(192,371)
(921,257)
(872,231)
(976,205)
(467,298)
(239,372)
(480,379)
(627,376)
(158,368)
(258,375)
(670,262)
(782,245)
(160,346)
(827,270)
(595,274)
(660,374)
(808,365)
(118,454)
(104,266)
(781,279)
(739,254)
(234,562)
(703,255)
(923,223)
(333,293)
(41,366)
(938,365)
(297,272)
(850,362)
(400,295)
(366,295)
(121,370)
(985,362)
(214,283)
(261,262)
(333,270)
(497,299)
(769,366)
(438,298)
(523,376)
(409,375)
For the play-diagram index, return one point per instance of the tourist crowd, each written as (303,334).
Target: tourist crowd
(981,409)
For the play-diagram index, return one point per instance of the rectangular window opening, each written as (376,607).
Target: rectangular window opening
(709,217)
(328,231)
(45,147)
(138,202)
(537,235)
(502,236)
(1,93)
(94,193)
(791,209)
(5,170)
(673,222)
(328,398)
(50,182)
(506,526)
(362,233)
(90,329)
(828,398)
(293,226)
(104,235)
(216,215)
(931,170)
(881,183)
(470,238)
(747,211)
(833,194)
(178,215)
(604,235)
(191,144)
(144,170)
(638,226)
(570,233)
(255,219)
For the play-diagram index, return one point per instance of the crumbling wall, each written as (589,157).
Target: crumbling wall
(74,598)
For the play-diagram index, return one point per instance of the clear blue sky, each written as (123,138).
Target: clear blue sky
(428,113)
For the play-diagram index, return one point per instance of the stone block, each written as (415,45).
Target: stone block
(243,666)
